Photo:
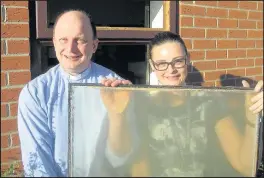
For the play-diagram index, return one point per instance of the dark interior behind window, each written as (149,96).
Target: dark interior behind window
(114,13)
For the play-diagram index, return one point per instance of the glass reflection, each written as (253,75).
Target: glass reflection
(166,132)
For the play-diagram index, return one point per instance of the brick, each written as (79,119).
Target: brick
(245,44)
(186,21)
(192,33)
(17,15)
(15,63)
(254,71)
(237,34)
(260,5)
(225,64)
(258,78)
(228,4)
(227,23)
(205,22)
(250,5)
(254,52)
(186,2)
(10,155)
(14,30)
(206,3)
(191,10)
(188,43)
(247,24)
(259,62)
(216,54)
(259,43)
(8,125)
(260,25)
(3,79)
(13,109)
(238,14)
(205,65)
(204,44)
(208,84)
(197,55)
(216,33)
(18,78)
(4,141)
(255,15)
(225,44)
(4,110)
(237,72)
(15,139)
(255,34)
(18,46)
(10,94)
(245,62)
(2,47)
(236,53)
(214,12)
(15,3)
(214,75)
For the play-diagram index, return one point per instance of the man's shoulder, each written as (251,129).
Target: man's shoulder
(41,82)
(45,78)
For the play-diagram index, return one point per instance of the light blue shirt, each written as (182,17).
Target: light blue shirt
(43,119)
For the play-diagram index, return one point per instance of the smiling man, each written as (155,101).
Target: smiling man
(43,102)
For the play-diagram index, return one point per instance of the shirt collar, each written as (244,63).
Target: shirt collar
(73,78)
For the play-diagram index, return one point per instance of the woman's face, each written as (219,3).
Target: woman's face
(174,74)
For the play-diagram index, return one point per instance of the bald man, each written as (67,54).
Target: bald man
(43,102)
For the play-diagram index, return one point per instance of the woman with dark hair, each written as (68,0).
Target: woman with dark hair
(190,135)
(185,133)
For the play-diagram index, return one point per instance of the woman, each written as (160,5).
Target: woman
(181,121)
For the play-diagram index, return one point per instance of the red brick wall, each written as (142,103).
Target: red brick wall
(224,37)
(15,73)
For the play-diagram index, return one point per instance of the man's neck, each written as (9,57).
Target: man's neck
(77,72)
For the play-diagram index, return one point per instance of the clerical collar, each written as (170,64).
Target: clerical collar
(80,76)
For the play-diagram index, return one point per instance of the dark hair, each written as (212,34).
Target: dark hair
(82,12)
(164,37)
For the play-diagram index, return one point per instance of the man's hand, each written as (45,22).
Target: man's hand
(115,101)
(257,100)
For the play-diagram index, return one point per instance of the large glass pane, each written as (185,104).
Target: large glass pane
(161,131)
(117,13)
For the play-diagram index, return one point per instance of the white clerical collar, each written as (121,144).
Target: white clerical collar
(77,77)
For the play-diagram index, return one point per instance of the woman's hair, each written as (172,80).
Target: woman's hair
(164,37)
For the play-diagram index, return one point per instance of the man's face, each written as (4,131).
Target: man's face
(74,43)
(167,52)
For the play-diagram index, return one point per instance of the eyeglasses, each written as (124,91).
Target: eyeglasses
(179,62)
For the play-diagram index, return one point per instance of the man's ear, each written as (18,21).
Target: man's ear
(95,45)
(53,40)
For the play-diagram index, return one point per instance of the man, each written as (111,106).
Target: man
(43,102)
